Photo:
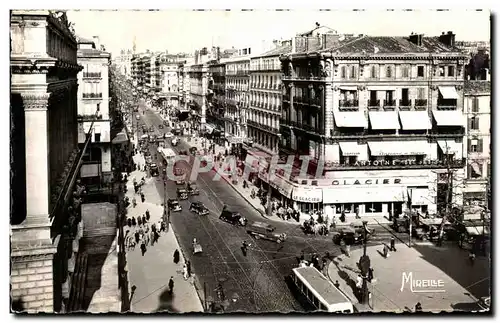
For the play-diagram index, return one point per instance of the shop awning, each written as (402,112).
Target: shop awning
(350,119)
(120,138)
(448,92)
(415,120)
(363,194)
(348,87)
(308,195)
(283,186)
(419,196)
(349,148)
(448,118)
(384,120)
(450,147)
(399,148)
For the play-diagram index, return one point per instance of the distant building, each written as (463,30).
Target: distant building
(478,139)
(93,108)
(124,63)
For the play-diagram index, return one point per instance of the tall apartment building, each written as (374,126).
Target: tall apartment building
(45,211)
(237,83)
(478,145)
(265,98)
(124,63)
(93,109)
(216,96)
(382,115)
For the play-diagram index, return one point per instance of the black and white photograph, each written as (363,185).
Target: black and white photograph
(257,161)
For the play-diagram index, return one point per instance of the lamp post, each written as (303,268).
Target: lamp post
(364,264)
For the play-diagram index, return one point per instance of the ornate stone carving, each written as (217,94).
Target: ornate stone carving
(35,101)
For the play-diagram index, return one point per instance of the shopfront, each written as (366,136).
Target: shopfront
(307,198)
(282,189)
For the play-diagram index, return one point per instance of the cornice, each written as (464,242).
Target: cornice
(35,101)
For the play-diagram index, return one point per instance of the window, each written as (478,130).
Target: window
(97,137)
(373,72)
(353,72)
(474,123)
(375,207)
(475,104)
(388,71)
(451,70)
(420,71)
(342,72)
(441,70)
(475,145)
(420,93)
(405,71)
(475,170)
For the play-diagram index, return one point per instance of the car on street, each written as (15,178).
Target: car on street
(199,208)
(160,126)
(153,169)
(265,231)
(173,205)
(192,189)
(175,141)
(233,218)
(352,234)
(177,132)
(182,194)
(168,134)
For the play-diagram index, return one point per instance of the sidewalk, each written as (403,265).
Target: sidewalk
(388,291)
(150,273)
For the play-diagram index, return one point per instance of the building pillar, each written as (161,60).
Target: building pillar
(32,250)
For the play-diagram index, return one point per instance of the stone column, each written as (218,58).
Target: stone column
(32,250)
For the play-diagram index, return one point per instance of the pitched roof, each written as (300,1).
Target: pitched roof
(393,45)
(477,87)
(285,49)
(310,32)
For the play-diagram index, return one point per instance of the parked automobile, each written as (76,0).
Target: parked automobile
(192,189)
(234,218)
(173,205)
(175,141)
(168,134)
(353,234)
(182,194)
(199,208)
(265,231)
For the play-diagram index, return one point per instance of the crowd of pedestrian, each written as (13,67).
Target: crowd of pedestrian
(140,232)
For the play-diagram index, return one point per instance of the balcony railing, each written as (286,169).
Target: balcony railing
(92,95)
(446,107)
(85,117)
(389,103)
(421,103)
(348,104)
(404,105)
(373,104)
(91,75)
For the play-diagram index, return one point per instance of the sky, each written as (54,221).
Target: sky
(188,30)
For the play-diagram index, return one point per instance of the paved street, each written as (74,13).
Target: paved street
(254,280)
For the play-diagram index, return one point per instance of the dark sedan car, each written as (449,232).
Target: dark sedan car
(234,218)
(199,208)
(174,205)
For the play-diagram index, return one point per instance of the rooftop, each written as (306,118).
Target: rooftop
(92,52)
(477,87)
(285,49)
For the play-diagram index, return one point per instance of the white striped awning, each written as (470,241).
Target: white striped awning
(450,147)
(357,194)
(352,119)
(384,120)
(448,92)
(349,148)
(449,117)
(399,148)
(415,120)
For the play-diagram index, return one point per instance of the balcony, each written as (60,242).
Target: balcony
(92,96)
(425,164)
(404,105)
(347,105)
(419,103)
(389,104)
(446,107)
(263,127)
(373,104)
(92,75)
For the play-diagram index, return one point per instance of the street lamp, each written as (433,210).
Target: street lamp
(364,266)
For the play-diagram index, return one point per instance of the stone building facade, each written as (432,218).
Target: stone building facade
(45,158)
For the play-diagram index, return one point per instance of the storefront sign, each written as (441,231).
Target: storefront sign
(307,195)
(366,181)
(397,162)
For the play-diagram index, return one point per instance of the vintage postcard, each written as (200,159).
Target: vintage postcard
(250,161)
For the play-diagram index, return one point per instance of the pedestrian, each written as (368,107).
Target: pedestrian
(129,222)
(357,213)
(143,248)
(342,216)
(386,251)
(393,244)
(337,284)
(134,223)
(139,220)
(171,285)
(359,284)
(134,202)
(137,237)
(188,265)
(244,247)
(370,274)
(185,272)
(144,219)
(147,215)
(176,256)
(143,198)
(418,307)
(472,257)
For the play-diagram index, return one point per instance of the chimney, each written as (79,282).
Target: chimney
(416,39)
(96,42)
(448,39)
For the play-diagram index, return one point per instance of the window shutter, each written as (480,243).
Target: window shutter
(469,171)
(469,144)
(471,123)
(480,145)
(476,123)
(475,104)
